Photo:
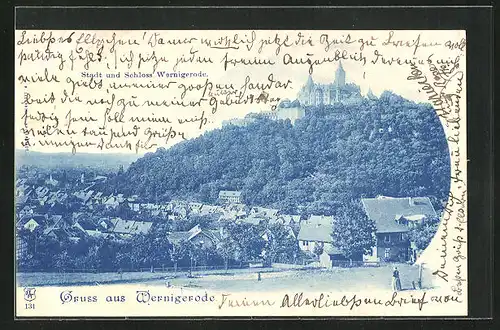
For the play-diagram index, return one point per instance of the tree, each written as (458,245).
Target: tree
(281,246)
(318,249)
(353,232)
(62,260)
(227,247)
(151,249)
(389,146)
(423,233)
(248,240)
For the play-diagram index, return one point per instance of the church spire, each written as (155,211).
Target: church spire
(340,76)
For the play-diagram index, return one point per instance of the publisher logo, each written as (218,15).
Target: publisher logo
(29,294)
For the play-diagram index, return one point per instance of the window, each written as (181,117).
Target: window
(387,238)
(387,253)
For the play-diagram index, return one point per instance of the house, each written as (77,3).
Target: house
(195,207)
(71,233)
(31,222)
(43,200)
(88,226)
(267,234)
(314,234)
(264,212)
(41,191)
(232,212)
(288,219)
(329,255)
(128,228)
(21,247)
(85,196)
(230,196)
(100,179)
(26,210)
(251,220)
(56,220)
(210,209)
(91,228)
(319,219)
(111,202)
(104,224)
(196,235)
(393,219)
(21,200)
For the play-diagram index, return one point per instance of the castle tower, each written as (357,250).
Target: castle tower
(306,93)
(310,83)
(340,76)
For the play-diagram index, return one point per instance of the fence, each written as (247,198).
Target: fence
(133,270)
(350,264)
(187,269)
(163,269)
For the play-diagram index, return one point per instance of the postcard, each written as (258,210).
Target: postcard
(249,173)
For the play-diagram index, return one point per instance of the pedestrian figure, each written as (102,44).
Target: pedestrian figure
(396,282)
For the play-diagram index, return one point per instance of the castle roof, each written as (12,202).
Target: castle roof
(340,67)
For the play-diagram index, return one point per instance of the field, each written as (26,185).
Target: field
(338,279)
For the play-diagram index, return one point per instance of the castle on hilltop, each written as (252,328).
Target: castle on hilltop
(328,94)
(311,94)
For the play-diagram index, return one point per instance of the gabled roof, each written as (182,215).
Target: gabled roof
(87,224)
(55,219)
(252,220)
(130,226)
(59,233)
(205,209)
(21,200)
(319,220)
(177,237)
(330,249)
(214,234)
(315,232)
(40,219)
(386,210)
(194,231)
(266,212)
(105,223)
(287,218)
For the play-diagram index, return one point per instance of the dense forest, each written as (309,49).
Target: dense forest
(388,146)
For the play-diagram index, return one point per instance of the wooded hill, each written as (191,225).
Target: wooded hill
(388,146)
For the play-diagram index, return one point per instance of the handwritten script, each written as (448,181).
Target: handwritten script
(135,91)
